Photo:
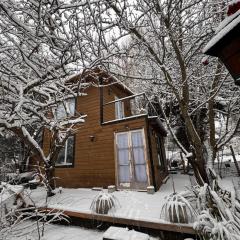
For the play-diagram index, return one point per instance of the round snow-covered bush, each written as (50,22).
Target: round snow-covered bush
(104,202)
(177,209)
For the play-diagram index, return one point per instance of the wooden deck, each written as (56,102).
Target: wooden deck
(171,227)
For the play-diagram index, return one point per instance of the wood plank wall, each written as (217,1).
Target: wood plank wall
(94,164)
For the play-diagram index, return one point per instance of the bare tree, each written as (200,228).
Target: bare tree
(167,38)
(41,44)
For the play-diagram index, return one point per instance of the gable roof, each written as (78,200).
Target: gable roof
(95,76)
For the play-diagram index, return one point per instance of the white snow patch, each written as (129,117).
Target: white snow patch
(117,233)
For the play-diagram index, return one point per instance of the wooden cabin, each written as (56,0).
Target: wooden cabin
(119,143)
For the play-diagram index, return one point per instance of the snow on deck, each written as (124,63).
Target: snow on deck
(134,205)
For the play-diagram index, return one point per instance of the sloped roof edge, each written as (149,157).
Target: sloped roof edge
(94,75)
(223,30)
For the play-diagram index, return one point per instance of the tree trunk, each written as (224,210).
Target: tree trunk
(50,175)
(212,131)
(235,160)
(198,160)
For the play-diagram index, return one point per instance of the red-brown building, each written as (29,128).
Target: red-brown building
(119,144)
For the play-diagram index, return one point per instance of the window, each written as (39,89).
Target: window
(65,156)
(65,109)
(119,109)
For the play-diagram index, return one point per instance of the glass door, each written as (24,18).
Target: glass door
(123,158)
(131,159)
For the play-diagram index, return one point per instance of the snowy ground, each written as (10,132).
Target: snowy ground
(134,205)
(28,231)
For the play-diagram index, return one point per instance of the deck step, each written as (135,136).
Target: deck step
(118,233)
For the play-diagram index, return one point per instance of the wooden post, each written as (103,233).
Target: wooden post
(101,99)
(235,160)
(150,153)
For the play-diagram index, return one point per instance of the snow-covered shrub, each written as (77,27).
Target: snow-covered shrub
(104,202)
(219,218)
(177,209)
(213,228)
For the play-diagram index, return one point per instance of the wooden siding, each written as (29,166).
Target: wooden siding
(94,163)
(94,158)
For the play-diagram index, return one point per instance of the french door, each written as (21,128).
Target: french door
(131,160)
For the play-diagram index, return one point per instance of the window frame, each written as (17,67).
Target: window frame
(65,164)
(133,184)
(119,109)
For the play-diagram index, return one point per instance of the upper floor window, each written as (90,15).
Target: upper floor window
(66,155)
(65,109)
(119,109)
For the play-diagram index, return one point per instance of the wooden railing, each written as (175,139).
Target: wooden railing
(128,107)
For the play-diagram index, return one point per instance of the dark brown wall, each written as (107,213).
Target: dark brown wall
(160,173)
(230,55)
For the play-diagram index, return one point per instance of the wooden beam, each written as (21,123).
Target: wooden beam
(170,227)
(125,98)
(124,119)
(101,100)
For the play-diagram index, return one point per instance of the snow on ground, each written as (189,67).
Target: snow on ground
(28,231)
(227,168)
(230,184)
(134,205)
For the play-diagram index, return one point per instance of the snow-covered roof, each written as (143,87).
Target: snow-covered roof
(225,27)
